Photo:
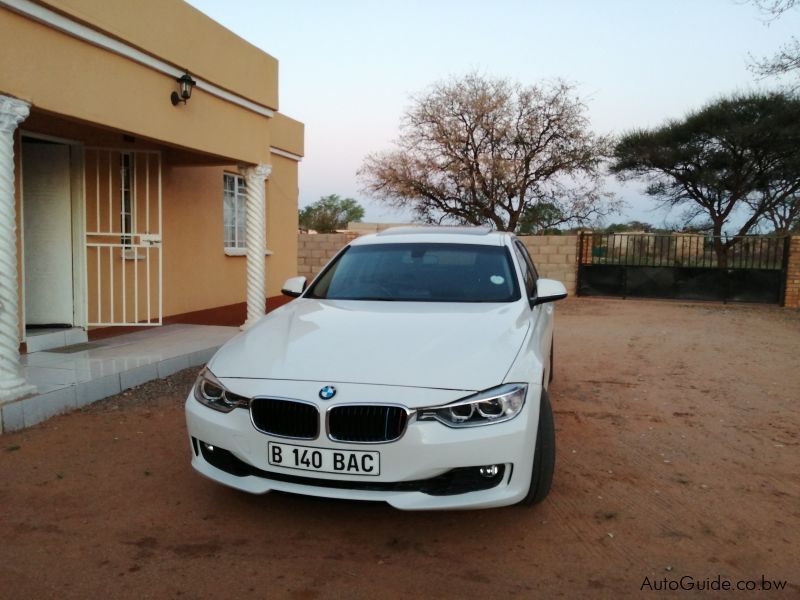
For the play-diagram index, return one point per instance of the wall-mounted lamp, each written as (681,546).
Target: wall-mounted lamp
(187,83)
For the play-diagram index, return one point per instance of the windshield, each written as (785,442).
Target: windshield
(420,273)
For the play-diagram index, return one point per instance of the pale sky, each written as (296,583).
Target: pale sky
(347,68)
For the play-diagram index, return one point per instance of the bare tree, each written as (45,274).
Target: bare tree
(787,59)
(481,150)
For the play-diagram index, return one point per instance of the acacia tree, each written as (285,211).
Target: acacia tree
(480,150)
(785,217)
(783,212)
(330,213)
(736,154)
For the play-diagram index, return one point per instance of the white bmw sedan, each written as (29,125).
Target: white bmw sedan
(413,370)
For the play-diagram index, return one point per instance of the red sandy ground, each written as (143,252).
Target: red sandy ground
(677,456)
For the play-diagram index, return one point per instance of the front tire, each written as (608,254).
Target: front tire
(544,459)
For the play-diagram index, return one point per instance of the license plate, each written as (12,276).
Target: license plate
(324,460)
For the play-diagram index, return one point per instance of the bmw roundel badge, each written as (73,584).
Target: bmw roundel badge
(327,392)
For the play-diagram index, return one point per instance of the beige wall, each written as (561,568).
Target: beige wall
(287,134)
(197,273)
(555,256)
(185,37)
(282,193)
(95,97)
(75,79)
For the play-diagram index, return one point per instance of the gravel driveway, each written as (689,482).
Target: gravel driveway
(678,437)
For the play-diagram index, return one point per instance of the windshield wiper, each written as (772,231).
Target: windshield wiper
(369,298)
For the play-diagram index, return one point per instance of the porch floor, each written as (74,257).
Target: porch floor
(38,339)
(70,380)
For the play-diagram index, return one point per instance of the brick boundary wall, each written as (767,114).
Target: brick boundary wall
(791,298)
(314,250)
(555,256)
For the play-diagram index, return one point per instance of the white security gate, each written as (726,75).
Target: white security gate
(123,237)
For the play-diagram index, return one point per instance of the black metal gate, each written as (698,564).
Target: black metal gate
(683,266)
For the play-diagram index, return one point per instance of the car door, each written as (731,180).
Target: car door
(541,315)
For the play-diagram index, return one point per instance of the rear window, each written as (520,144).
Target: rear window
(420,273)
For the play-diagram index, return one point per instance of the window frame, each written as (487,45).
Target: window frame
(526,263)
(323,279)
(237,245)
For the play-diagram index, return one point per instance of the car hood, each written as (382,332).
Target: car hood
(433,345)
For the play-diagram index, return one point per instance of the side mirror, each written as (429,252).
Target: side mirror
(294,286)
(549,290)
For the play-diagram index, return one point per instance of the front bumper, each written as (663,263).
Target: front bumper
(427,468)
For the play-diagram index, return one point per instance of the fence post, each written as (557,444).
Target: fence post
(791,271)
(579,265)
(625,277)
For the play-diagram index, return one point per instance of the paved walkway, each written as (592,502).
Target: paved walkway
(67,380)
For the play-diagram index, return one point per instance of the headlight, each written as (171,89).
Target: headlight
(209,391)
(491,406)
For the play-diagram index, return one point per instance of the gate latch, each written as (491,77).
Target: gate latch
(151,239)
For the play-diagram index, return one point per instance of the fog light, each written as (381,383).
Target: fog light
(489,471)
(208,447)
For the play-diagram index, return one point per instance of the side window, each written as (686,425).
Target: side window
(527,272)
(524,251)
(233,210)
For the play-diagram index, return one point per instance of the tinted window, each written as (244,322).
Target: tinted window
(420,273)
(527,255)
(527,271)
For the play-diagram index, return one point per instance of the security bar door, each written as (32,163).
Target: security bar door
(123,237)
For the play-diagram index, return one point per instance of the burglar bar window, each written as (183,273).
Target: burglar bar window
(234,211)
(126,204)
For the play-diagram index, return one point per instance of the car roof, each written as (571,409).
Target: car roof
(430,235)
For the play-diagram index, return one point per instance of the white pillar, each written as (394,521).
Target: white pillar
(12,384)
(255,238)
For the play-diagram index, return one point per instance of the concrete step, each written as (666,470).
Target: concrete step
(38,340)
(87,373)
